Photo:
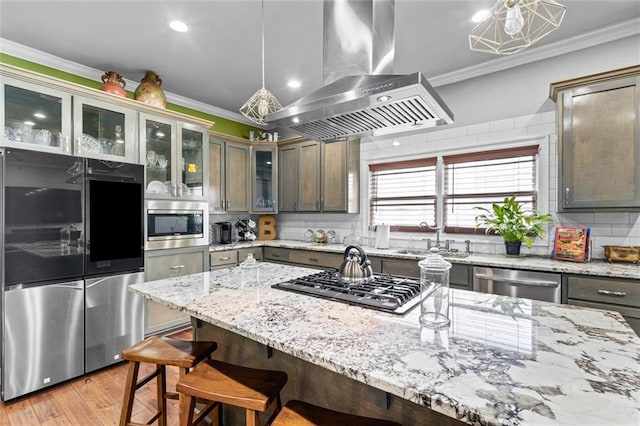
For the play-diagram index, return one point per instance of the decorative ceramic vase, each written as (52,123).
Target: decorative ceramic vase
(113,83)
(149,91)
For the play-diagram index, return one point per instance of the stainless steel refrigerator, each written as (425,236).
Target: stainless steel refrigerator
(72,242)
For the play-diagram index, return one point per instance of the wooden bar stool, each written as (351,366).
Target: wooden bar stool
(298,413)
(161,351)
(249,388)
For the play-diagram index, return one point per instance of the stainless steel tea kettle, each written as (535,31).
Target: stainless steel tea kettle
(356,267)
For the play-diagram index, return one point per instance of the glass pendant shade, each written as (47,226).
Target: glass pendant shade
(262,102)
(514,25)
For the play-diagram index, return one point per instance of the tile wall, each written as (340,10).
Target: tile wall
(620,228)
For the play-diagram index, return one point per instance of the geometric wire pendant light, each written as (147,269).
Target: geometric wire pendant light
(514,25)
(262,102)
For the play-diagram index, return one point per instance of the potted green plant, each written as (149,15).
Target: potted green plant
(514,224)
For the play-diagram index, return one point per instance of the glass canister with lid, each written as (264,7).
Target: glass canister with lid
(434,290)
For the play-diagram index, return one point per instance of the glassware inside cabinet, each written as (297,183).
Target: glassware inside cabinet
(102,131)
(158,162)
(192,162)
(33,117)
(263,180)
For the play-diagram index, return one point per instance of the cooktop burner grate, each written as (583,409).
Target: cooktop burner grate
(387,293)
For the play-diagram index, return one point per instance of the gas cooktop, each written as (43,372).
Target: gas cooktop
(394,294)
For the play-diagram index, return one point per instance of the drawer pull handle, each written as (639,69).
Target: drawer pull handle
(176,267)
(612,293)
(313,259)
(225,258)
(275,255)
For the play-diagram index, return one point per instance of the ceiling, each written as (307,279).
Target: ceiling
(218,61)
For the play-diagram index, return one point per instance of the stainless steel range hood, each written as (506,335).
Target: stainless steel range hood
(361,96)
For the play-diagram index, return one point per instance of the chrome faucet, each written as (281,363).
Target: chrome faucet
(424,226)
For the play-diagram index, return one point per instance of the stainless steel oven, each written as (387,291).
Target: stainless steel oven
(175,224)
(545,286)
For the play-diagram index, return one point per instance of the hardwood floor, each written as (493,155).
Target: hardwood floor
(94,399)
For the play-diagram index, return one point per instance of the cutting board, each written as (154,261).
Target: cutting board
(266,227)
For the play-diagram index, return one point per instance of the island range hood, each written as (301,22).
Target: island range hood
(362,96)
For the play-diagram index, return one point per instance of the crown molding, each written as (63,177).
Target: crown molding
(614,32)
(43,58)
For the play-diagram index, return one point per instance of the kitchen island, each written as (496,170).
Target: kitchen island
(501,361)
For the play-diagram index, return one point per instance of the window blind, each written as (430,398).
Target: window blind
(403,194)
(483,178)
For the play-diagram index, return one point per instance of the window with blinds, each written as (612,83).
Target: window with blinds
(481,179)
(403,194)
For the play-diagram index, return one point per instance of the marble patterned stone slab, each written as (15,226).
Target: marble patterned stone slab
(534,263)
(502,361)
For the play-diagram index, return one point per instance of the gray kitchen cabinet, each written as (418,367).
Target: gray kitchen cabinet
(264,179)
(276,254)
(309,176)
(288,178)
(216,188)
(613,294)
(232,257)
(599,141)
(237,163)
(318,176)
(316,259)
(162,264)
(460,276)
(175,153)
(341,176)
(229,170)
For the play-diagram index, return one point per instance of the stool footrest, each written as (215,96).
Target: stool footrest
(148,378)
(205,411)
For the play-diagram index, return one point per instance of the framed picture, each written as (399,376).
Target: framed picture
(571,243)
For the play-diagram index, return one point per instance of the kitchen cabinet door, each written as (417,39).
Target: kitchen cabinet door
(216,176)
(174,153)
(288,178)
(161,264)
(599,142)
(237,177)
(309,175)
(340,176)
(104,131)
(35,117)
(264,178)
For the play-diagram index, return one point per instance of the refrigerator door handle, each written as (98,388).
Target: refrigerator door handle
(69,286)
(93,284)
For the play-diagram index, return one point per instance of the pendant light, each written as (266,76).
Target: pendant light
(262,102)
(514,25)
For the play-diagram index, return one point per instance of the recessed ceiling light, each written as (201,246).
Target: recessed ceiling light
(480,16)
(179,26)
(39,115)
(294,84)
(29,123)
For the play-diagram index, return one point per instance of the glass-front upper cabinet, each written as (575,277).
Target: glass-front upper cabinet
(174,154)
(35,117)
(104,131)
(264,169)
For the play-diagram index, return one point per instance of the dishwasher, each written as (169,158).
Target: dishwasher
(543,286)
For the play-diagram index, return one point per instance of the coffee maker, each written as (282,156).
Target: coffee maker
(224,232)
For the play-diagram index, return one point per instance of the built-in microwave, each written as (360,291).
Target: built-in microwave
(174,224)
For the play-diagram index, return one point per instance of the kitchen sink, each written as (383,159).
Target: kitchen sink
(424,252)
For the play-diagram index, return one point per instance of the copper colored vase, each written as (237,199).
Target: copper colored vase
(150,92)
(113,83)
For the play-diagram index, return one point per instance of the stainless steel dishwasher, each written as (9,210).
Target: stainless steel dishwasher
(517,283)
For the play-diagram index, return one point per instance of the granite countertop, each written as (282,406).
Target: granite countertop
(534,263)
(501,361)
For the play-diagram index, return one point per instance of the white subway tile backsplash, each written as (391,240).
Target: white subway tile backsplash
(517,133)
(615,217)
(600,230)
(505,124)
(548,117)
(436,136)
(527,120)
(456,132)
(467,141)
(577,218)
(477,129)
(542,129)
(621,230)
